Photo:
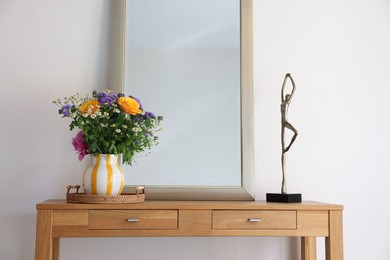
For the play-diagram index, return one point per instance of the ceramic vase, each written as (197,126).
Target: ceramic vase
(103,176)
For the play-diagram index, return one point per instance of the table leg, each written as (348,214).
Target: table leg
(334,242)
(44,240)
(56,249)
(308,248)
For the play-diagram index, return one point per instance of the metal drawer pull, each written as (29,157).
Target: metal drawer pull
(133,220)
(254,219)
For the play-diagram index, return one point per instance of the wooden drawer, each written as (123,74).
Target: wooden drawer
(254,219)
(132,219)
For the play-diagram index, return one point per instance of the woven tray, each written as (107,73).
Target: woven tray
(124,198)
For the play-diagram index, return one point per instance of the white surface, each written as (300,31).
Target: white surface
(338,53)
(183,62)
(173,24)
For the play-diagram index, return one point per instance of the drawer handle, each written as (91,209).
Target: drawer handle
(133,220)
(254,219)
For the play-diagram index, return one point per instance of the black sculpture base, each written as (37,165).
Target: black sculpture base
(284,198)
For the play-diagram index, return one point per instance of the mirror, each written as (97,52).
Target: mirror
(190,61)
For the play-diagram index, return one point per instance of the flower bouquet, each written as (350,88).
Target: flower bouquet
(110,124)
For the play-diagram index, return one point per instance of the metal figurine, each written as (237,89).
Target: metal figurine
(286,99)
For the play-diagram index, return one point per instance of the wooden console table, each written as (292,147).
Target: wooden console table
(56,219)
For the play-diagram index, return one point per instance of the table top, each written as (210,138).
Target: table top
(165,204)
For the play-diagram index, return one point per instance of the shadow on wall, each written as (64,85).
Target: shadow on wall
(293,248)
(188,248)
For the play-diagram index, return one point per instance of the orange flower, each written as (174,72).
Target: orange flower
(91,106)
(129,105)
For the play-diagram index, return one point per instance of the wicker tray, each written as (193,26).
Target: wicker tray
(124,198)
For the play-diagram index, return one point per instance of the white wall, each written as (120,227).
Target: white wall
(48,50)
(338,54)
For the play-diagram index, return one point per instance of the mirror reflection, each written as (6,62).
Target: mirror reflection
(182,59)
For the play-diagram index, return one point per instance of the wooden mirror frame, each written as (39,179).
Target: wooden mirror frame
(117,74)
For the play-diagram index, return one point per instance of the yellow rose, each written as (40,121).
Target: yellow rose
(129,105)
(92,105)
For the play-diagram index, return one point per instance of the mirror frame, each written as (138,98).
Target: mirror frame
(116,79)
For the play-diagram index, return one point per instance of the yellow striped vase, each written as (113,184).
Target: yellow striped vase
(103,176)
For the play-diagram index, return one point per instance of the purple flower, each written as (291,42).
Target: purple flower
(149,114)
(79,145)
(65,110)
(107,98)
